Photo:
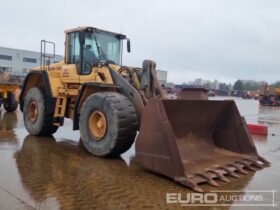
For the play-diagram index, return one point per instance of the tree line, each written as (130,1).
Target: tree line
(242,85)
(251,85)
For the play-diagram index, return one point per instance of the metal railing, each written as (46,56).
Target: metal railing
(45,59)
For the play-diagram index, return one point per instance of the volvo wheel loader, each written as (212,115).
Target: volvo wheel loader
(187,139)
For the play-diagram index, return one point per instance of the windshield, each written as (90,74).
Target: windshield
(104,47)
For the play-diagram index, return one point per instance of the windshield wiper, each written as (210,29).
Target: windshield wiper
(100,51)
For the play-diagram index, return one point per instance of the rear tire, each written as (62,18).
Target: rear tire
(36,118)
(119,121)
(11,103)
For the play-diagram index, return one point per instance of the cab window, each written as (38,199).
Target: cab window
(73,48)
(90,53)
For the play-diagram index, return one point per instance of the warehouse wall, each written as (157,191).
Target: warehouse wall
(20,62)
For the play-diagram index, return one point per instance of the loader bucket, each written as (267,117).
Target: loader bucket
(196,141)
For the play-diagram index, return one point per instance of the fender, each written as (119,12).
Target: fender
(27,84)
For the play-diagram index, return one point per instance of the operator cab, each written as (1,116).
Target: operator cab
(88,47)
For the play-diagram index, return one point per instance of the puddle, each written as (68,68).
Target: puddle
(58,173)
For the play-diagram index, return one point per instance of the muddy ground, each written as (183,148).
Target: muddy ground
(58,173)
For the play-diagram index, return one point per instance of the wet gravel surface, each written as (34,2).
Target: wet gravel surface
(58,173)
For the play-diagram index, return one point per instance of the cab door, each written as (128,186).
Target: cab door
(69,72)
(89,71)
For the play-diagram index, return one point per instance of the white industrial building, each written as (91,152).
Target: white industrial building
(20,62)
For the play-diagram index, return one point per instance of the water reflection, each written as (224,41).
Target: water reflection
(64,170)
(8,122)
(269,115)
(77,180)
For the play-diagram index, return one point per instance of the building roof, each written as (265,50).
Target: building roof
(28,51)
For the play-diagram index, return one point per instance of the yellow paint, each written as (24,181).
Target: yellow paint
(97,124)
(65,83)
(5,88)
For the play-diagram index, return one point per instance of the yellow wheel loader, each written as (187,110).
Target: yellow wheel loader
(9,91)
(269,96)
(189,140)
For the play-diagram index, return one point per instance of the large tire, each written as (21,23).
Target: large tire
(121,124)
(11,103)
(40,122)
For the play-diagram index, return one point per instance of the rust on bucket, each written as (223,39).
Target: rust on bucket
(196,141)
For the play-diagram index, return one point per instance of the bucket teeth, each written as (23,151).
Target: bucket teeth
(254,163)
(189,183)
(219,175)
(267,163)
(194,187)
(239,168)
(230,172)
(209,180)
(247,165)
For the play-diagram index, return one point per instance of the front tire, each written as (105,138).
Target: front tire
(108,124)
(11,103)
(36,118)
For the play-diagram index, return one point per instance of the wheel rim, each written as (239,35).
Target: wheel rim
(33,111)
(97,125)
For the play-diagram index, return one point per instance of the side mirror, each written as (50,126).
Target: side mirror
(128,45)
(81,38)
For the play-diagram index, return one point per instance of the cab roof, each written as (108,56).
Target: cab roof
(92,29)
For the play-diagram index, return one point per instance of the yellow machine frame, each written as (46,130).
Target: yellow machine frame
(63,83)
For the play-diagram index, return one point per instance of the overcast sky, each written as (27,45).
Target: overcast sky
(211,39)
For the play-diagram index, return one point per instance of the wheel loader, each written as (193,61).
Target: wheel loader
(270,96)
(189,140)
(9,91)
